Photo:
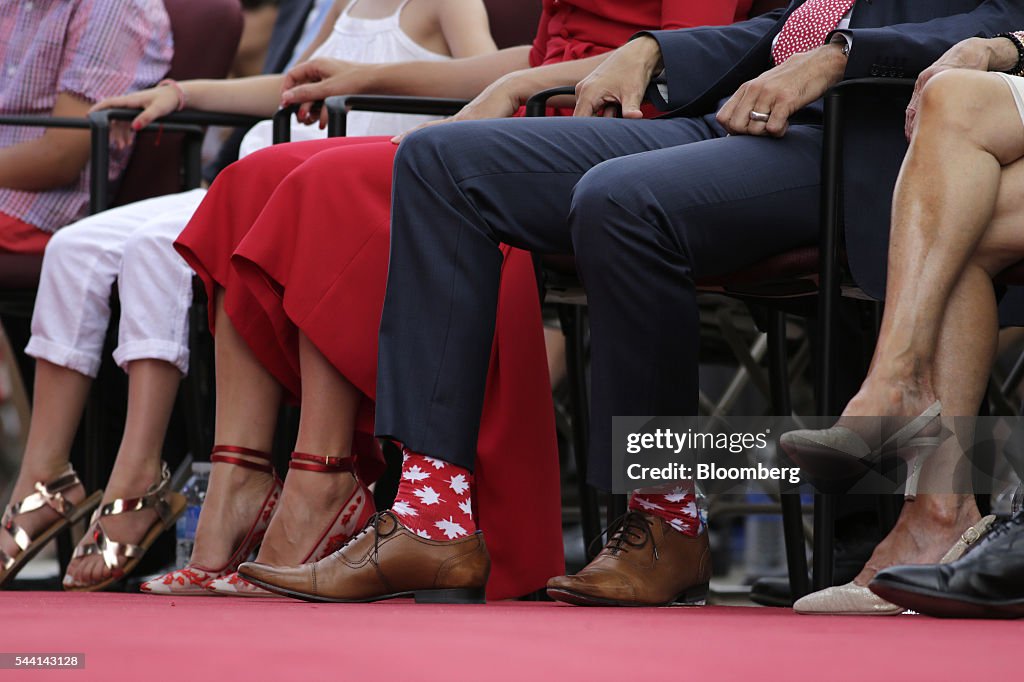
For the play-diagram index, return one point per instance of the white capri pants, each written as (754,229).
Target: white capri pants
(131,245)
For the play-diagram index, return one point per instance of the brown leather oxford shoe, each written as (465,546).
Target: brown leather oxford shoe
(385,561)
(645,563)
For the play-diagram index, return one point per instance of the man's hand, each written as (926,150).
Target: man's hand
(501,99)
(783,91)
(318,79)
(978,54)
(620,81)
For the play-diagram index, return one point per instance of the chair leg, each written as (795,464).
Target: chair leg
(824,539)
(617,505)
(825,505)
(574,327)
(792,511)
(197,395)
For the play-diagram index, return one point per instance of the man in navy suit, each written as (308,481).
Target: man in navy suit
(729,176)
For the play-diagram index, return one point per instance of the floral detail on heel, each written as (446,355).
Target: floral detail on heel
(235,585)
(194,580)
(183,581)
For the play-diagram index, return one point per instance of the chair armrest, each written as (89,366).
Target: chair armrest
(187,117)
(190,122)
(283,124)
(339,106)
(44,122)
(538,104)
(99,158)
(882,85)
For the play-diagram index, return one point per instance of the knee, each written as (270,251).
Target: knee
(62,244)
(609,210)
(439,152)
(952,100)
(421,149)
(146,246)
(72,250)
(261,168)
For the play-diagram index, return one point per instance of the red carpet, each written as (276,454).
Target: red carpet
(136,637)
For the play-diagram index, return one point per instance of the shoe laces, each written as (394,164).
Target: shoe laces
(630,531)
(371,525)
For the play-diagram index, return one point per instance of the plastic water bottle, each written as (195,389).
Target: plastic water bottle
(194,492)
(764,551)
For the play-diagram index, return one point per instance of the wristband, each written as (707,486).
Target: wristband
(1017,39)
(182,98)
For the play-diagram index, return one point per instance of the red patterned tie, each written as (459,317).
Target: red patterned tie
(808,26)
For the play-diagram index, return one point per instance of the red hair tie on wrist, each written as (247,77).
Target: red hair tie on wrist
(182,98)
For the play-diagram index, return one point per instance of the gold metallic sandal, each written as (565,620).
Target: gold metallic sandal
(168,505)
(49,494)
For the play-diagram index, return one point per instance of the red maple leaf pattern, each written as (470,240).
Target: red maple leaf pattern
(434,498)
(675,504)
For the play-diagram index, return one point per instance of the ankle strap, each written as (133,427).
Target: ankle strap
(327,465)
(265,467)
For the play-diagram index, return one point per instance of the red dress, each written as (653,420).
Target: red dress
(298,237)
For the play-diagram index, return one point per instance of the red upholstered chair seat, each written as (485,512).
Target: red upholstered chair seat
(794,273)
(18,271)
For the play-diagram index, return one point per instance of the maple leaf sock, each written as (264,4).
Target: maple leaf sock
(675,504)
(435,498)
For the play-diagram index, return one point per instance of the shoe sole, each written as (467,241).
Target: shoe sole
(945,605)
(197,592)
(82,510)
(695,596)
(469,595)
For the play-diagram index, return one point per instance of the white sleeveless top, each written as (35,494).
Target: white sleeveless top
(365,41)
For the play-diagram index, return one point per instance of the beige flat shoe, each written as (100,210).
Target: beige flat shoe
(856,600)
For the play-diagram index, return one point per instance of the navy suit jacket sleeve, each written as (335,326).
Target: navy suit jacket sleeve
(696,58)
(905,50)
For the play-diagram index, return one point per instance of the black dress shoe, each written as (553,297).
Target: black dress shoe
(987,582)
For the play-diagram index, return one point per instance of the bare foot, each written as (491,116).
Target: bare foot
(309,504)
(36,521)
(927,528)
(126,482)
(234,497)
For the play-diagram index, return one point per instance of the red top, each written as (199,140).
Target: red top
(576,29)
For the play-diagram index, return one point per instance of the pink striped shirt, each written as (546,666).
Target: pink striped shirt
(88,48)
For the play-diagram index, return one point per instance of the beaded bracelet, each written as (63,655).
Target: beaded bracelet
(1017,38)
(183,98)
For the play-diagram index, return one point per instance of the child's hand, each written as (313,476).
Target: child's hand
(154,102)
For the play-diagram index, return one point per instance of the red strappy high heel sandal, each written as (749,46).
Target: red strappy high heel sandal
(351,517)
(193,579)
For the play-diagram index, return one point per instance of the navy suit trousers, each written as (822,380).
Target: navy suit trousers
(647,206)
